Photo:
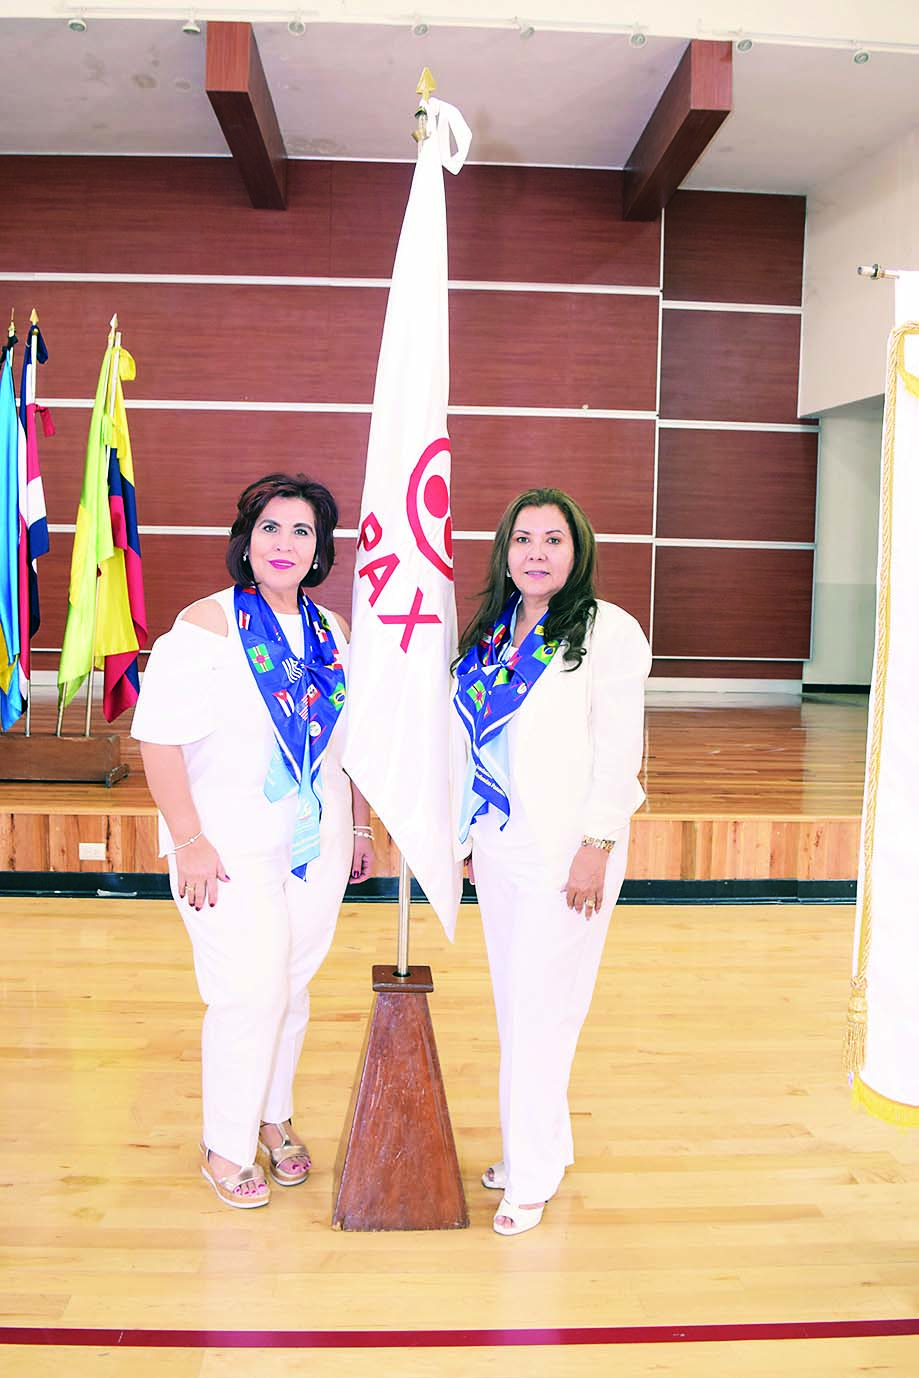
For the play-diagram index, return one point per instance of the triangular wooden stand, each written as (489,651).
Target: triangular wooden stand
(397,1167)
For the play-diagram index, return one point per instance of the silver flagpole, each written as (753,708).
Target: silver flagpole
(405,913)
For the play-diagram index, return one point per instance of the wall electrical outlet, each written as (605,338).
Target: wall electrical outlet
(92,851)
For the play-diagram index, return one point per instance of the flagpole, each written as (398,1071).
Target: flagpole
(33,351)
(113,388)
(426,85)
(875,271)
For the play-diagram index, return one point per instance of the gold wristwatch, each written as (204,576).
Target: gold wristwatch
(605,844)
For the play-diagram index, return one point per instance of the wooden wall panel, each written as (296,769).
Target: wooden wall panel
(549,349)
(726,669)
(506,223)
(736,485)
(211,343)
(191,466)
(162,215)
(606,466)
(729,602)
(740,248)
(729,366)
(520,224)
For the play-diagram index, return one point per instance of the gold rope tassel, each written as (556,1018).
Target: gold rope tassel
(853,1054)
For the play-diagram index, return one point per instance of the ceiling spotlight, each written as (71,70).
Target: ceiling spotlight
(743,45)
(192,27)
(297,28)
(76,25)
(419,29)
(638,39)
(525,30)
(861,57)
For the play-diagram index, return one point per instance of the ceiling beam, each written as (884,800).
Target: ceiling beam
(238,91)
(695,104)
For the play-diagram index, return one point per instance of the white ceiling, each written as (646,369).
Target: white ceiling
(801,113)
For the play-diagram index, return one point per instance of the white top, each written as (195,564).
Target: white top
(575,744)
(199,693)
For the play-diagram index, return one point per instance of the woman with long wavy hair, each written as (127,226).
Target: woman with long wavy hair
(549,704)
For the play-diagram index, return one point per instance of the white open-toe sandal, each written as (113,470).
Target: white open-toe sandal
(495,1177)
(524,1217)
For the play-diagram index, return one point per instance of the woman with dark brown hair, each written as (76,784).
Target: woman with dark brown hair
(240,724)
(550,702)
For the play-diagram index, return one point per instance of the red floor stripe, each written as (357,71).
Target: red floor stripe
(441,1339)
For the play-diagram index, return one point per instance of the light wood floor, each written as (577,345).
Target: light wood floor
(722,1176)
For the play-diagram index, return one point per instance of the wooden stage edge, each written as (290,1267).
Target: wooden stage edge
(736,790)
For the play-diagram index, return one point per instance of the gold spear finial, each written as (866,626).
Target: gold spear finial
(33,319)
(12,330)
(113,326)
(426,84)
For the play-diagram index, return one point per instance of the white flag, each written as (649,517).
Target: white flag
(883,1034)
(404,611)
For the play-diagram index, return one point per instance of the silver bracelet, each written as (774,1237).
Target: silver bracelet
(173,850)
(363,832)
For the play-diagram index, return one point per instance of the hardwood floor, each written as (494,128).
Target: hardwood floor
(722,1174)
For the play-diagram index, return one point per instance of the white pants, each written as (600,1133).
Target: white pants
(255,954)
(544,959)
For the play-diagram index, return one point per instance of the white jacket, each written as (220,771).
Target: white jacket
(576,743)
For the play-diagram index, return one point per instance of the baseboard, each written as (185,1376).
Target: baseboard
(385,889)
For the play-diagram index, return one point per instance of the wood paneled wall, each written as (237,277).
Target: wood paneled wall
(657,382)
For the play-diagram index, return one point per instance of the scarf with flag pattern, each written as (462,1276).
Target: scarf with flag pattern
(304,697)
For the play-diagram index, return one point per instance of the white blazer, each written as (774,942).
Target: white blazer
(576,743)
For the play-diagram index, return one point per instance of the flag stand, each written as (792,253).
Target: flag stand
(397,1167)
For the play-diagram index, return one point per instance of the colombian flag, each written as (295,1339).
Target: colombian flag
(111,629)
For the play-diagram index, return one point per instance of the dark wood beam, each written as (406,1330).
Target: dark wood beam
(238,91)
(695,104)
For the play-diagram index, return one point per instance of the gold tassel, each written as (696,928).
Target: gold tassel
(856,1027)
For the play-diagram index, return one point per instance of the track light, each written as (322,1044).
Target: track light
(525,30)
(420,29)
(743,45)
(637,38)
(297,28)
(192,27)
(76,24)
(861,57)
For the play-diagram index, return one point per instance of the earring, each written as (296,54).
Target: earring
(509,575)
(316,563)
(246,556)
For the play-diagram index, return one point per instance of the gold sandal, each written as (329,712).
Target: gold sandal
(226,1187)
(277,1157)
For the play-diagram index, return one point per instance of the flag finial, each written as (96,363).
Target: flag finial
(34,317)
(113,326)
(426,84)
(12,330)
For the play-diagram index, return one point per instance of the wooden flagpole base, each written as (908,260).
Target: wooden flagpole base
(397,1167)
(48,758)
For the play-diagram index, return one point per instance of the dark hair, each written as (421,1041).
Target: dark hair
(253,501)
(571,609)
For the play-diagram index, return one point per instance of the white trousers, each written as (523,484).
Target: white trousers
(544,959)
(255,954)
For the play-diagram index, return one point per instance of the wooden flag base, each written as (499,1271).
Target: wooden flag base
(47,758)
(397,1167)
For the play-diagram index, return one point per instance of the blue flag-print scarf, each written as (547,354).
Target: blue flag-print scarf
(490,690)
(304,698)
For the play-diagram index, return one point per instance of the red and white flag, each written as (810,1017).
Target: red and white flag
(404,609)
